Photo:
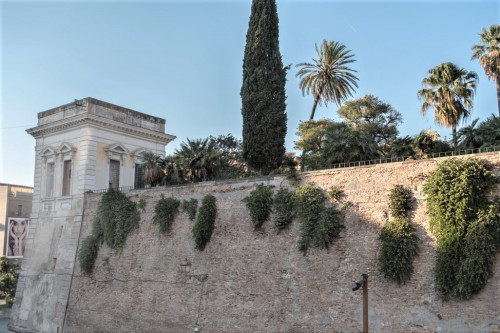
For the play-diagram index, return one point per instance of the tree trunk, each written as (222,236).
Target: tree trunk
(498,93)
(316,100)
(454,135)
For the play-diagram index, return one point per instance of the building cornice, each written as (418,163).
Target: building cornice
(99,122)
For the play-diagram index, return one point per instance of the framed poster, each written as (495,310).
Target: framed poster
(17,232)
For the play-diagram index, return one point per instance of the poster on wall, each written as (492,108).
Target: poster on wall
(17,232)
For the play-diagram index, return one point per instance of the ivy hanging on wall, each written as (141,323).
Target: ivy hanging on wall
(117,216)
(399,238)
(190,207)
(204,226)
(166,210)
(283,209)
(465,223)
(259,203)
(320,225)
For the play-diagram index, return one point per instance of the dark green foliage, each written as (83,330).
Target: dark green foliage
(327,228)
(326,142)
(190,207)
(335,193)
(166,210)
(118,216)
(8,280)
(231,163)
(263,90)
(466,224)
(400,201)
(372,116)
(398,237)
(204,226)
(283,209)
(88,253)
(259,203)
(399,249)
(320,225)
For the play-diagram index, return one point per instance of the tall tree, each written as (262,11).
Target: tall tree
(328,78)
(374,118)
(263,90)
(488,54)
(198,159)
(449,90)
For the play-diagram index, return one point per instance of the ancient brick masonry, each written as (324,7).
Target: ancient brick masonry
(259,281)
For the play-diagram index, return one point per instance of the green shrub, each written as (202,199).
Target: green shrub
(328,228)
(399,249)
(166,210)
(400,201)
(190,207)
(283,209)
(259,203)
(88,253)
(335,194)
(204,226)
(465,223)
(118,216)
(8,280)
(319,225)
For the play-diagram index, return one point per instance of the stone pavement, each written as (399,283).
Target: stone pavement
(4,319)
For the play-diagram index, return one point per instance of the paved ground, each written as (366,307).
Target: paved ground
(4,319)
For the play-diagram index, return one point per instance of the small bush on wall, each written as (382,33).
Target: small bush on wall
(399,249)
(116,217)
(400,201)
(465,223)
(204,226)
(320,225)
(259,203)
(398,237)
(190,207)
(283,208)
(88,253)
(166,210)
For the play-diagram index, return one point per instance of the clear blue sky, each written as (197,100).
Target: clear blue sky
(182,60)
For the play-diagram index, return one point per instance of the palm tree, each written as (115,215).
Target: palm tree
(449,90)
(423,143)
(489,131)
(153,173)
(329,79)
(198,159)
(469,137)
(488,54)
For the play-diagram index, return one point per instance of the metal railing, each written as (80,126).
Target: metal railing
(404,158)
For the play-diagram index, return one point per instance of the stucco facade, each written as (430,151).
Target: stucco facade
(82,146)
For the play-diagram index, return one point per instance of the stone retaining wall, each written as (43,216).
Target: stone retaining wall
(259,281)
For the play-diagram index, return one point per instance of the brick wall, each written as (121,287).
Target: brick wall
(259,281)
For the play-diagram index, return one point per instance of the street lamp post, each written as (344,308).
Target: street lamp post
(363,284)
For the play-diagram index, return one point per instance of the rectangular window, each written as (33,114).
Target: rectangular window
(66,178)
(19,210)
(139,176)
(114,174)
(49,186)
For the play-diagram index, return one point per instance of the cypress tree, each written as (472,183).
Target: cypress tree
(263,90)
